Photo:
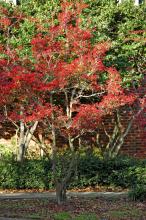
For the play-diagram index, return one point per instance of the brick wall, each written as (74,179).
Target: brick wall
(135,144)
(135,141)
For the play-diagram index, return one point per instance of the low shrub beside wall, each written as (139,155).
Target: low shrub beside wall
(119,172)
(31,174)
(91,171)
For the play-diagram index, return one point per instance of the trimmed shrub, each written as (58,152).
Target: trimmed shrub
(32,174)
(91,171)
(138,193)
(122,172)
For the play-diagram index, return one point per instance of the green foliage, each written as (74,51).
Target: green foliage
(8,175)
(108,21)
(138,189)
(29,175)
(138,193)
(124,214)
(118,172)
(86,216)
(67,216)
(91,171)
(62,164)
(40,8)
(32,175)
(62,216)
(33,14)
(115,22)
(6,151)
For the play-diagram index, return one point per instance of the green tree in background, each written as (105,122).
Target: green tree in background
(107,20)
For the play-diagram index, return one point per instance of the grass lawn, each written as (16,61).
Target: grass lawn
(76,209)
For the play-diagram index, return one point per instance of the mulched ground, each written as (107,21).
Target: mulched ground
(99,189)
(75,208)
(87,189)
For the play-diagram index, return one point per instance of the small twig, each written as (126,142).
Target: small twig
(6,114)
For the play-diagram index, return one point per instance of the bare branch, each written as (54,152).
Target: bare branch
(89,96)
(6,115)
(76,137)
(107,134)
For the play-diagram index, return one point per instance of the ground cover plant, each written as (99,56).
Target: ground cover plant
(77,209)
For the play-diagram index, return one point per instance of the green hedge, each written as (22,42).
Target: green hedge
(32,174)
(119,172)
(91,171)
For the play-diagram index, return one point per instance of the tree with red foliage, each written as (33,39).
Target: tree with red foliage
(61,87)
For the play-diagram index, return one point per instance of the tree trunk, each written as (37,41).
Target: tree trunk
(60,192)
(25,138)
(61,186)
(61,183)
(29,134)
(21,147)
(116,139)
(21,153)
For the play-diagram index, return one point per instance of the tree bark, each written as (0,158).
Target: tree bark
(21,147)
(29,134)
(61,182)
(61,192)
(61,185)
(116,140)
(25,138)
